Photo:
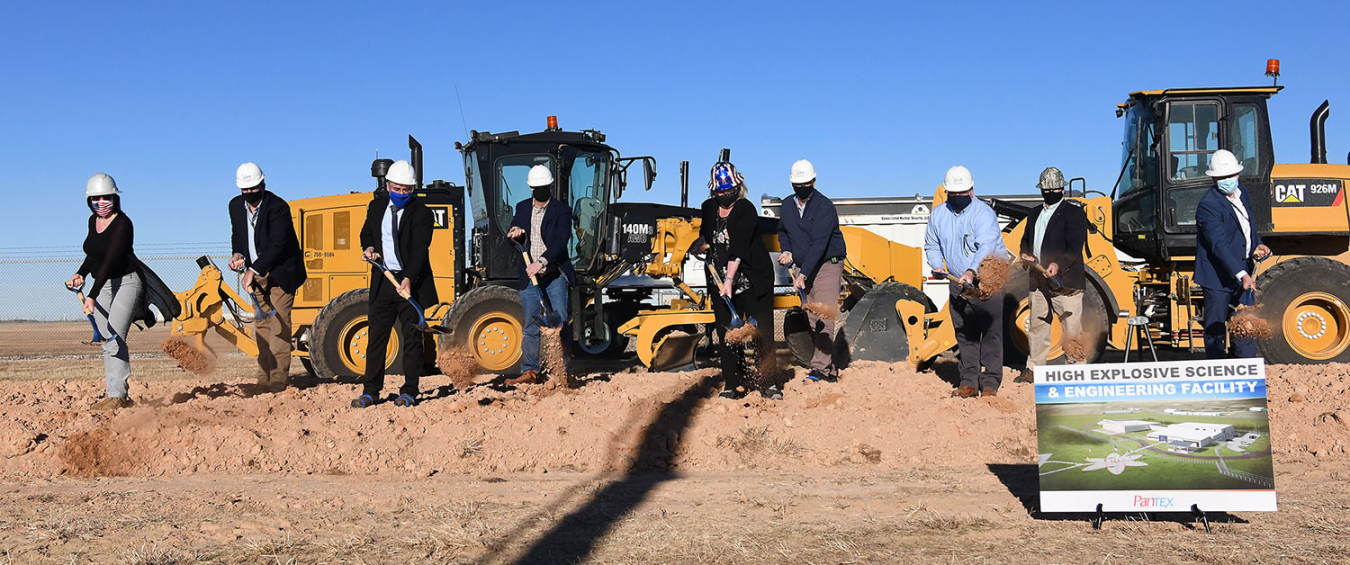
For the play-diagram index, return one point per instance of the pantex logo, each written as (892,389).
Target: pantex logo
(1152,502)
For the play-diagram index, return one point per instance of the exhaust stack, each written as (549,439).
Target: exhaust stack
(416,149)
(1318,127)
(378,169)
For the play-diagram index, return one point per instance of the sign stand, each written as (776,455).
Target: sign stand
(1198,513)
(1101,517)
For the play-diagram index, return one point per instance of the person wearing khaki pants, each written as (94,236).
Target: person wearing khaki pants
(266,249)
(1052,249)
(809,237)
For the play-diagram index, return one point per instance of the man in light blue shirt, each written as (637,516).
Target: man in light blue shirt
(961,233)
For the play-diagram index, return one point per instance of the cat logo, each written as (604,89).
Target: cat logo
(1289,193)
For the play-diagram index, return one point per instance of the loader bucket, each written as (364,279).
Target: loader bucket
(873,331)
(675,352)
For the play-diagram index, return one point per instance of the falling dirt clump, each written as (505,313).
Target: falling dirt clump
(188,357)
(743,334)
(551,349)
(1076,348)
(1248,323)
(822,311)
(94,453)
(457,364)
(994,272)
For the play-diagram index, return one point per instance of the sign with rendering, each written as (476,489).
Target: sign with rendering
(1154,437)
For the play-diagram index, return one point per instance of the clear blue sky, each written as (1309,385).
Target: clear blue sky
(883,97)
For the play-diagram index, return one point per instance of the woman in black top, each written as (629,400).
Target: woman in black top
(730,234)
(116,293)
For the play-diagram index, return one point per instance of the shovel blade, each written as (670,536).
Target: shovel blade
(797,332)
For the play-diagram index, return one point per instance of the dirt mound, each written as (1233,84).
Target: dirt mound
(882,415)
(188,357)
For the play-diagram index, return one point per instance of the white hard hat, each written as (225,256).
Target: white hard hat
(540,176)
(100,185)
(802,172)
(958,179)
(248,175)
(1223,164)
(401,173)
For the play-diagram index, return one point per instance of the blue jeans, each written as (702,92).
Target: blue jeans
(556,290)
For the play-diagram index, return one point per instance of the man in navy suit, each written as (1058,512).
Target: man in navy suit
(543,224)
(1226,245)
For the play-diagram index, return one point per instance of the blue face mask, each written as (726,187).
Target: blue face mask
(1228,185)
(400,200)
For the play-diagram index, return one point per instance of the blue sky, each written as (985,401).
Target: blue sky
(170,97)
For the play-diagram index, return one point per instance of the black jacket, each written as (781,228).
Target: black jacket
(557,230)
(279,257)
(747,243)
(415,227)
(1065,235)
(813,236)
(1221,249)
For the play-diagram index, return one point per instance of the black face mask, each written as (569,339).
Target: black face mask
(803,192)
(1052,197)
(253,198)
(726,199)
(958,202)
(541,193)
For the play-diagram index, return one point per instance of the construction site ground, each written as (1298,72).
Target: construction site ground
(630,467)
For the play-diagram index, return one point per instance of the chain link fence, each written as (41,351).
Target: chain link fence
(36,307)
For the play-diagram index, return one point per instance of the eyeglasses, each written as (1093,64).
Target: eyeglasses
(399,188)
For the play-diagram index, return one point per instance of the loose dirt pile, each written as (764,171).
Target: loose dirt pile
(877,415)
(1247,322)
(994,273)
(188,357)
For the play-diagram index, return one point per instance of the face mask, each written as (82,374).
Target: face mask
(1052,197)
(102,207)
(726,199)
(253,198)
(400,200)
(958,202)
(541,193)
(803,191)
(1228,185)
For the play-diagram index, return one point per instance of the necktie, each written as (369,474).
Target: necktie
(393,229)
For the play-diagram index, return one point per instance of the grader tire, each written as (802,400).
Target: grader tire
(1307,300)
(488,322)
(1017,311)
(341,331)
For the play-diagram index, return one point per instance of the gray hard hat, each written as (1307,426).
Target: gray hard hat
(1051,179)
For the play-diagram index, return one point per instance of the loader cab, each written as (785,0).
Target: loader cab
(1169,138)
(588,175)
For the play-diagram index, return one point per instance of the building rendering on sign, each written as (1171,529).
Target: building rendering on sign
(1191,436)
(1124,426)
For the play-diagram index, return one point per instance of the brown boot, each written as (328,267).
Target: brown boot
(989,391)
(1027,376)
(527,378)
(111,403)
(965,391)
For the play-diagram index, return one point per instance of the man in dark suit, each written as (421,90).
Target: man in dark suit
(809,237)
(1053,238)
(397,232)
(262,238)
(543,224)
(1226,245)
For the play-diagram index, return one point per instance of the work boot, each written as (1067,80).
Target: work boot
(268,385)
(527,378)
(965,391)
(1026,376)
(111,403)
(989,391)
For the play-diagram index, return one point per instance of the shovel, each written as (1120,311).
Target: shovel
(97,338)
(1056,285)
(549,318)
(736,321)
(421,316)
(797,328)
(258,313)
(967,290)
